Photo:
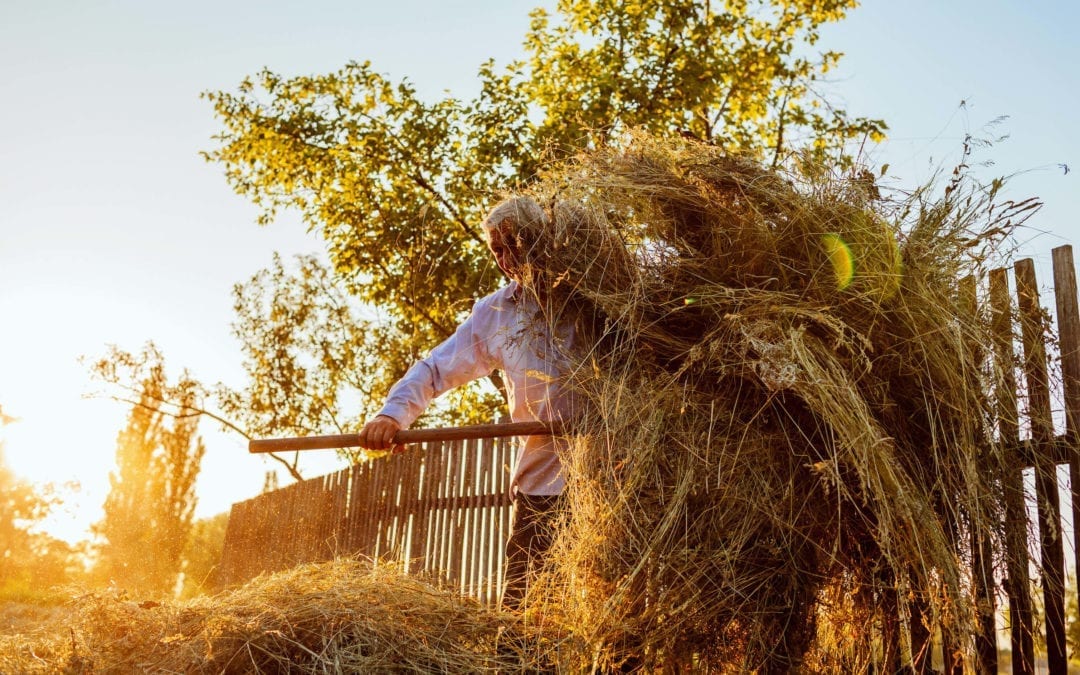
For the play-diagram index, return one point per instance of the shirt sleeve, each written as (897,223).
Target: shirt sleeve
(461,358)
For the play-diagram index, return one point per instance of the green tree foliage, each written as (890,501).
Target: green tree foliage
(31,561)
(736,74)
(396,184)
(312,353)
(151,500)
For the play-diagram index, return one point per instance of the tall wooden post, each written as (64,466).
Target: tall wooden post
(1018,585)
(1068,319)
(1052,555)
(982,556)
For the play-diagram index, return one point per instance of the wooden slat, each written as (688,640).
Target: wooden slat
(407,506)
(1052,557)
(453,526)
(410,499)
(421,524)
(298,543)
(435,454)
(370,518)
(367,516)
(982,556)
(341,504)
(1068,320)
(506,459)
(471,504)
(445,513)
(388,496)
(1018,585)
(357,495)
(485,513)
(225,572)
(359,503)
(298,519)
(386,508)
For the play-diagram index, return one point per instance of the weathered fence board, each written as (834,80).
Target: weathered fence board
(1040,419)
(1068,318)
(441,509)
(1018,585)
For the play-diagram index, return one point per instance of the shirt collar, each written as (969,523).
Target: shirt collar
(516,291)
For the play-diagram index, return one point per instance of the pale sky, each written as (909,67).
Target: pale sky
(113,230)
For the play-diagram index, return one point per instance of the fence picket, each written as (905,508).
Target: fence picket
(1018,584)
(1052,556)
(1068,318)
(982,556)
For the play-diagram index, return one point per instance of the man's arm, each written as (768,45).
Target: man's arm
(461,358)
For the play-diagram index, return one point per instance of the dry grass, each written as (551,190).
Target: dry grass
(782,414)
(344,616)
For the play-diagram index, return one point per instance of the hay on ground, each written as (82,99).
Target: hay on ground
(343,616)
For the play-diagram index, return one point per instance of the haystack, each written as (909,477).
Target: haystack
(783,440)
(347,616)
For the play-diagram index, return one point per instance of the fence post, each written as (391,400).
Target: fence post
(1052,556)
(1018,584)
(982,557)
(1068,317)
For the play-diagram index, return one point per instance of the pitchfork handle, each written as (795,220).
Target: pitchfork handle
(406,436)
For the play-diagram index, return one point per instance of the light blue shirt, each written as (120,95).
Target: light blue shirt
(504,332)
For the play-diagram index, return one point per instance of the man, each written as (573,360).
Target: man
(506,331)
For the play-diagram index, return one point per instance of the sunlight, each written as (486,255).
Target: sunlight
(45,444)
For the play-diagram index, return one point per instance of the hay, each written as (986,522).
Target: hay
(344,616)
(783,448)
(783,415)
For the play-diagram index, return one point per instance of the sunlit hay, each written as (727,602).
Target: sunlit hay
(779,396)
(345,616)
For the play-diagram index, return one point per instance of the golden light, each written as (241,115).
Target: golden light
(843,263)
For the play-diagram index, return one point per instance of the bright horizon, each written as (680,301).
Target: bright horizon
(114,231)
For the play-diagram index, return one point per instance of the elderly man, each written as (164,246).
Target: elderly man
(506,331)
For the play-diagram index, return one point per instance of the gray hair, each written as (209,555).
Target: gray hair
(524,212)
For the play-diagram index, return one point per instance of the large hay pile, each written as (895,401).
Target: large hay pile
(782,453)
(783,440)
(343,617)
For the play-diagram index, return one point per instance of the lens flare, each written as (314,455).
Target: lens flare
(843,263)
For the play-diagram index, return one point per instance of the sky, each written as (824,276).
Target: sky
(113,230)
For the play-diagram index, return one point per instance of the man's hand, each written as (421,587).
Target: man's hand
(378,434)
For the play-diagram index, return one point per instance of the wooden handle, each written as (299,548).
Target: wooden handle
(406,436)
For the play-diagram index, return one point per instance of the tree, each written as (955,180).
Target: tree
(151,500)
(313,358)
(396,184)
(30,561)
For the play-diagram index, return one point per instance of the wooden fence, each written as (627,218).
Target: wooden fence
(445,511)
(442,509)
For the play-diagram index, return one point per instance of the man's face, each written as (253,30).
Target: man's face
(504,248)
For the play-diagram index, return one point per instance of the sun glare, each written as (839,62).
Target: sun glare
(44,441)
